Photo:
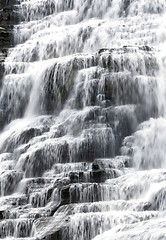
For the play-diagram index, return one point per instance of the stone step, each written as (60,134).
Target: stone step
(61,168)
(154,228)
(30,185)
(104,206)
(119,162)
(28,211)
(88,192)
(125,187)
(90,172)
(94,176)
(50,227)
(96,223)
(14,200)
(16,227)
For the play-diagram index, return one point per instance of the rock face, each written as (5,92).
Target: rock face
(8,17)
(82,113)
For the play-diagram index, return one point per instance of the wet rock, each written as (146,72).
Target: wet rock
(1,214)
(9,181)
(50,228)
(104,97)
(92,176)
(52,236)
(65,195)
(98,176)
(147,206)
(8,18)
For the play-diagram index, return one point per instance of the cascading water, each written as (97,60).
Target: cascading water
(83,122)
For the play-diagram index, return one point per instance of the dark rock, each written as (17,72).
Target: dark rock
(95,166)
(98,176)
(74,177)
(8,17)
(1,214)
(57,235)
(102,50)
(147,206)
(65,195)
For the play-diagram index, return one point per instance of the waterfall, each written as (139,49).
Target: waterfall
(83,121)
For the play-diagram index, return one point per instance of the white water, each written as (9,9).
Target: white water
(69,106)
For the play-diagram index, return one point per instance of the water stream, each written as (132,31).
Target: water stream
(83,122)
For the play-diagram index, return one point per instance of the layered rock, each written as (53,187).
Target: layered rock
(8,17)
(82,77)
